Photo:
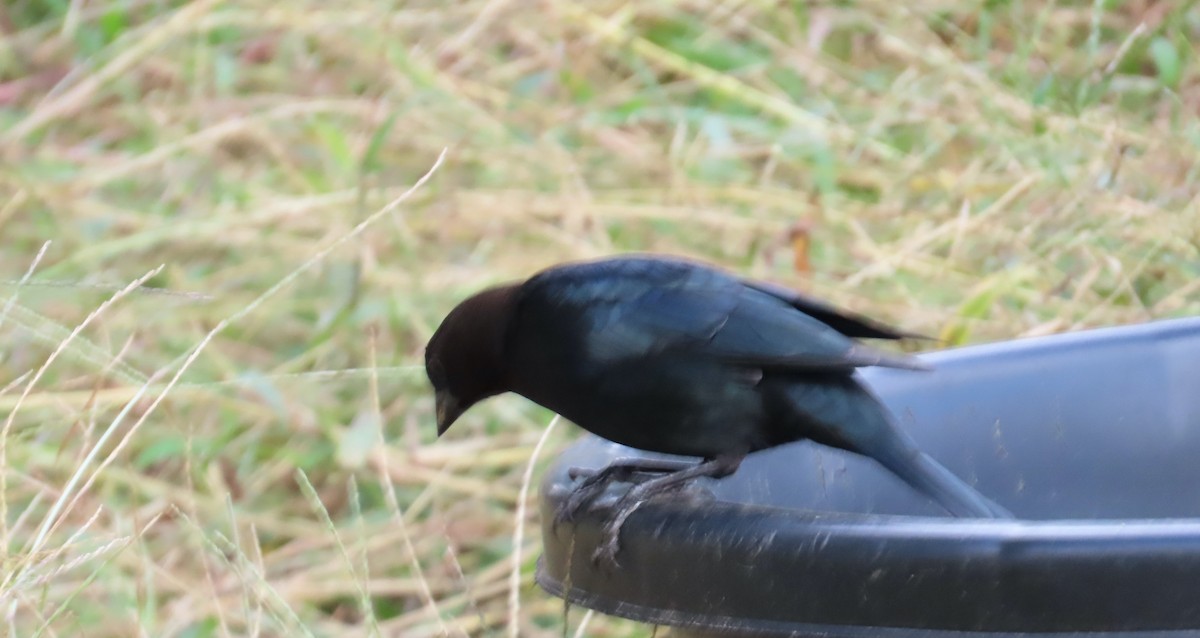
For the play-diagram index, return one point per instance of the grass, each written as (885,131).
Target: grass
(248,448)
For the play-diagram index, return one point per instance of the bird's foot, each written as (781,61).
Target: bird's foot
(595,482)
(610,545)
(605,556)
(575,502)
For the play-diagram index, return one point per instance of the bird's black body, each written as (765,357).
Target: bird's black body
(670,357)
(675,357)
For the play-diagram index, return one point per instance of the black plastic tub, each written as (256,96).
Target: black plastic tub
(1092,439)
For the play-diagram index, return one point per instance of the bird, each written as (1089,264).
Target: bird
(675,356)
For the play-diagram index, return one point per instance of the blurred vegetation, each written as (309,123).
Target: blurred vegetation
(251,451)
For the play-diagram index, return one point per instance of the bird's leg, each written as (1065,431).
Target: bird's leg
(718,467)
(595,481)
(631,465)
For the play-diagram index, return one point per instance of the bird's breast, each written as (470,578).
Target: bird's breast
(673,406)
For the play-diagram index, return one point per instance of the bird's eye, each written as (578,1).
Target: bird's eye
(437,374)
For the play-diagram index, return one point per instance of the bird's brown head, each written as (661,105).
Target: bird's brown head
(465,358)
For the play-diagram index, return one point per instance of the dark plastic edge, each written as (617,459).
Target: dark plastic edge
(710,625)
(989,537)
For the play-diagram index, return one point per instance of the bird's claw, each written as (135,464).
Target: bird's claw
(576,473)
(575,502)
(610,543)
(644,489)
(605,555)
(592,486)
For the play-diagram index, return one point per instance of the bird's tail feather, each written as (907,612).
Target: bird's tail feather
(922,472)
(842,413)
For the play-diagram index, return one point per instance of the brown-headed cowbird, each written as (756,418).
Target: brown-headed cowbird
(671,356)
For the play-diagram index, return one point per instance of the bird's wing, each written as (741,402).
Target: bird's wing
(656,308)
(634,309)
(764,330)
(847,323)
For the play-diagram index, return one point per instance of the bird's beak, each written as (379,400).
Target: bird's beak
(448,411)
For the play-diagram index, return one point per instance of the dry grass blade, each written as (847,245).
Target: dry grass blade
(37,259)
(314,501)
(75,98)
(12,415)
(109,554)
(251,577)
(429,601)
(195,352)
(50,333)
(514,579)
